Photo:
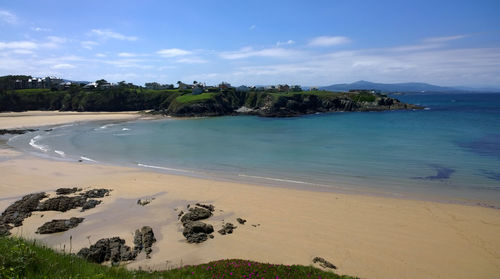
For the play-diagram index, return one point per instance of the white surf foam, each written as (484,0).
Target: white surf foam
(125,129)
(162,168)
(61,153)
(33,143)
(87,159)
(278,179)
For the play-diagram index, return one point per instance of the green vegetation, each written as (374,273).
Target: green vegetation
(25,259)
(189,98)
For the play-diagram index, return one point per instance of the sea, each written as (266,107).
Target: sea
(449,151)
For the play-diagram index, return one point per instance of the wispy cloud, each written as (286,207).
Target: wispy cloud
(247,52)
(100,55)
(108,34)
(289,42)
(54,42)
(444,39)
(252,27)
(173,52)
(8,17)
(192,60)
(325,41)
(89,44)
(18,45)
(63,66)
(40,29)
(126,54)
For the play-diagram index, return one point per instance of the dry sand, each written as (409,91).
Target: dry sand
(366,236)
(29,119)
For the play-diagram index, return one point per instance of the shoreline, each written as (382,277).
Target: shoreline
(366,236)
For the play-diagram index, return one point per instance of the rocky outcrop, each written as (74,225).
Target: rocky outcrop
(241,221)
(143,240)
(196,231)
(18,211)
(62,203)
(16,131)
(324,263)
(227,229)
(59,225)
(209,207)
(195,214)
(96,193)
(108,249)
(90,204)
(67,191)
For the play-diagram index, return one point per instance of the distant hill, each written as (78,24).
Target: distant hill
(408,87)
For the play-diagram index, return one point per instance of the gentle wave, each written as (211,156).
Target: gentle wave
(280,179)
(104,127)
(87,159)
(61,153)
(33,143)
(162,168)
(125,129)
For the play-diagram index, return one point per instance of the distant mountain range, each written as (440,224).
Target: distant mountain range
(408,87)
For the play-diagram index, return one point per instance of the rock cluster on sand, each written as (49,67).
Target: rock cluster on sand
(16,131)
(324,263)
(22,209)
(108,249)
(143,240)
(59,225)
(194,230)
(67,191)
(227,229)
(114,249)
(18,211)
(241,221)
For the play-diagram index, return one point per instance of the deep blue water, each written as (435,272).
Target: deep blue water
(449,151)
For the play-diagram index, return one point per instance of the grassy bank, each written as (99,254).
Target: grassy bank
(26,259)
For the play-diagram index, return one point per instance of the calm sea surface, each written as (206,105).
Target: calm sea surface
(450,151)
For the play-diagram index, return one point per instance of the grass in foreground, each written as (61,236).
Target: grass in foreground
(25,259)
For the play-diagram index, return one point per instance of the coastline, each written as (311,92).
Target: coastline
(366,236)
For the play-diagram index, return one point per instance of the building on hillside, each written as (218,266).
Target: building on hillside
(198,88)
(224,85)
(296,88)
(242,88)
(283,87)
(313,88)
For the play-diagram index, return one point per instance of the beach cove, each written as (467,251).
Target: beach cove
(366,236)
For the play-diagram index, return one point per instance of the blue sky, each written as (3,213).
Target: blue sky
(254,42)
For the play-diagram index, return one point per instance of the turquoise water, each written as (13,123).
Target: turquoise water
(449,151)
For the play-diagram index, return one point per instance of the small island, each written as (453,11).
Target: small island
(20,93)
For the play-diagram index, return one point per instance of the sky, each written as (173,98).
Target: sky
(310,43)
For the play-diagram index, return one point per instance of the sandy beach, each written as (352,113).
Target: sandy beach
(365,236)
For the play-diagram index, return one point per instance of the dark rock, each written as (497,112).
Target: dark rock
(90,204)
(59,225)
(143,240)
(324,263)
(144,202)
(227,229)
(20,210)
(195,214)
(180,214)
(207,206)
(196,231)
(108,249)
(5,229)
(62,203)
(96,193)
(241,221)
(66,191)
(16,131)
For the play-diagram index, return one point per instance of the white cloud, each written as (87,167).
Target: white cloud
(444,39)
(267,52)
(108,34)
(40,29)
(191,60)
(54,42)
(324,41)
(126,54)
(89,44)
(100,55)
(18,45)
(63,66)
(8,17)
(173,52)
(289,42)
